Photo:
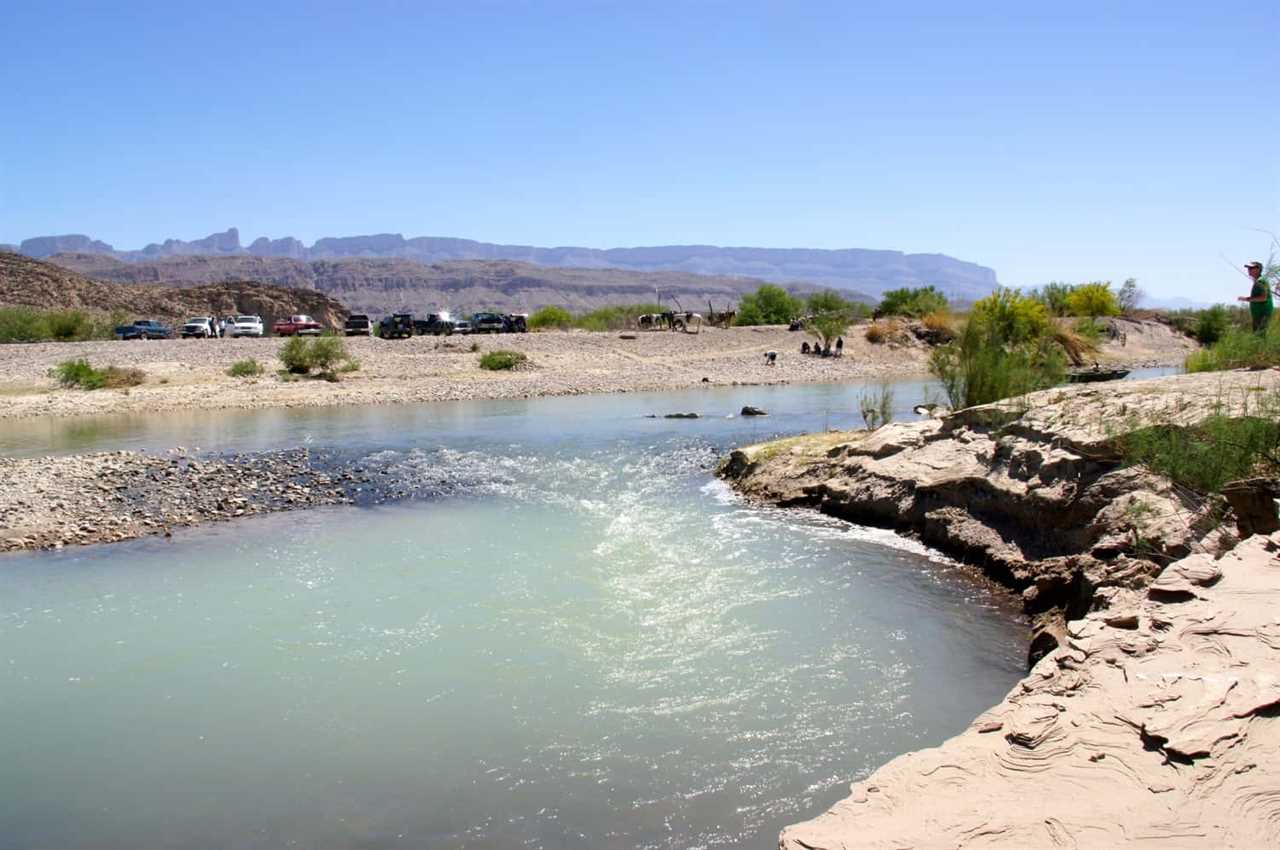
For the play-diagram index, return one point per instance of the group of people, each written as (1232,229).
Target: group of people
(824,351)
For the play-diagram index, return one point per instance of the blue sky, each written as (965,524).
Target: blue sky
(1084,142)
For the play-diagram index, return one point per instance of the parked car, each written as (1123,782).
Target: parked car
(461,327)
(245,326)
(487,323)
(358,324)
(435,324)
(225,324)
(300,325)
(144,329)
(516,323)
(199,326)
(396,326)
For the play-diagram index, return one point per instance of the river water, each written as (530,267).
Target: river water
(583,640)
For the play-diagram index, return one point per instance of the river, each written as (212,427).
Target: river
(581,639)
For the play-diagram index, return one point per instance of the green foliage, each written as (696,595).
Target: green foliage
(912,303)
(1093,300)
(1239,349)
(324,354)
(501,359)
(768,305)
(1203,458)
(245,368)
(550,317)
(830,301)
(877,407)
(1006,349)
(29,324)
(827,327)
(1091,330)
(81,374)
(1054,297)
(616,317)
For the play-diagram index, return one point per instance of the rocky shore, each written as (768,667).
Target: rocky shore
(1149,718)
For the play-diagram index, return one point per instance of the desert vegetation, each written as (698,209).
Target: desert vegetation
(247,368)
(912,303)
(502,360)
(325,356)
(31,324)
(81,374)
(1238,348)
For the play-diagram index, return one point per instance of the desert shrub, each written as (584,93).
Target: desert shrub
(1093,300)
(615,317)
(1239,349)
(912,303)
(884,330)
(768,305)
(1091,329)
(876,407)
(827,327)
(1006,348)
(245,368)
(830,301)
(295,354)
(325,354)
(941,325)
(550,317)
(83,375)
(1204,458)
(350,365)
(31,324)
(1054,296)
(501,359)
(23,324)
(1211,325)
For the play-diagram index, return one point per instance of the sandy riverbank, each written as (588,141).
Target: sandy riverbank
(191,374)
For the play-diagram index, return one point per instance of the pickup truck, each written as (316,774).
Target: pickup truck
(358,324)
(199,326)
(245,326)
(297,326)
(396,326)
(143,329)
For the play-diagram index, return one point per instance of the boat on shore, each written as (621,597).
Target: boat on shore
(1089,376)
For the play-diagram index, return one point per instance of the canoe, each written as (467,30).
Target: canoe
(1088,376)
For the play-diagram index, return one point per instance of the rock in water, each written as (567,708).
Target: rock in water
(681,416)
(748,410)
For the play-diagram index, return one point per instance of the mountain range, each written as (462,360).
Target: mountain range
(862,270)
(377,286)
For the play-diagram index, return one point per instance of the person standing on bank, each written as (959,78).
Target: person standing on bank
(1259,298)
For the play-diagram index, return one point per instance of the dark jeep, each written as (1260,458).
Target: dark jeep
(487,323)
(435,324)
(396,326)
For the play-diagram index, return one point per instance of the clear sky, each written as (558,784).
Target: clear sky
(1077,142)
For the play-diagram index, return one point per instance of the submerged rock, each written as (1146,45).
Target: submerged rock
(748,410)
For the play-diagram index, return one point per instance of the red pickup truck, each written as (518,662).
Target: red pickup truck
(297,326)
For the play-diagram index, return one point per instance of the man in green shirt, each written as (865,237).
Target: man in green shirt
(1259,298)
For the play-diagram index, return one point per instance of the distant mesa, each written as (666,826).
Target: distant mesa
(864,270)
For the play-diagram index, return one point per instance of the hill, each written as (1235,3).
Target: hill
(378,286)
(856,269)
(31,283)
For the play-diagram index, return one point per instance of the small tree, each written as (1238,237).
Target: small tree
(550,317)
(827,327)
(1054,296)
(912,303)
(1129,296)
(1093,300)
(768,305)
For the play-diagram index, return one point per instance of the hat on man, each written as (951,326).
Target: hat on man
(1254,265)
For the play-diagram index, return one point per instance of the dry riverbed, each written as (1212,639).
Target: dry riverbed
(191,374)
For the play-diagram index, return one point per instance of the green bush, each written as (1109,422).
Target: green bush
(768,305)
(1093,300)
(616,317)
(1007,348)
(499,360)
(245,368)
(30,324)
(82,375)
(1054,296)
(912,303)
(1204,458)
(830,301)
(1211,324)
(325,354)
(1239,349)
(550,317)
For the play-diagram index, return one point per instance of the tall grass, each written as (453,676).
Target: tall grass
(1239,349)
(80,374)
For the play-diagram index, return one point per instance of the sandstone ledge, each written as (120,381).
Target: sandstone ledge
(1149,719)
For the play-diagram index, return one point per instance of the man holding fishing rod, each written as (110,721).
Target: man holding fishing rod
(1259,298)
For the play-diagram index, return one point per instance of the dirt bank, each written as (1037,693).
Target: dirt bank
(191,374)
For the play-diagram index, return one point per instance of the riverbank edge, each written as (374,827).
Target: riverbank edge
(1033,495)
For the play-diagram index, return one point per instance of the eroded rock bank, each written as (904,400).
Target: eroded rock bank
(1150,718)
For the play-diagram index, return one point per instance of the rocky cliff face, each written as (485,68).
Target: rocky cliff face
(857,269)
(1152,708)
(24,281)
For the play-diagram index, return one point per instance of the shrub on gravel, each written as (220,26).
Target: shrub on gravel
(325,354)
(82,375)
(499,360)
(245,368)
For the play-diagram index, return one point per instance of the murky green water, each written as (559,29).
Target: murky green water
(587,643)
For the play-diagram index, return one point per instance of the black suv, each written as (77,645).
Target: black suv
(487,323)
(516,323)
(435,324)
(358,324)
(396,326)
